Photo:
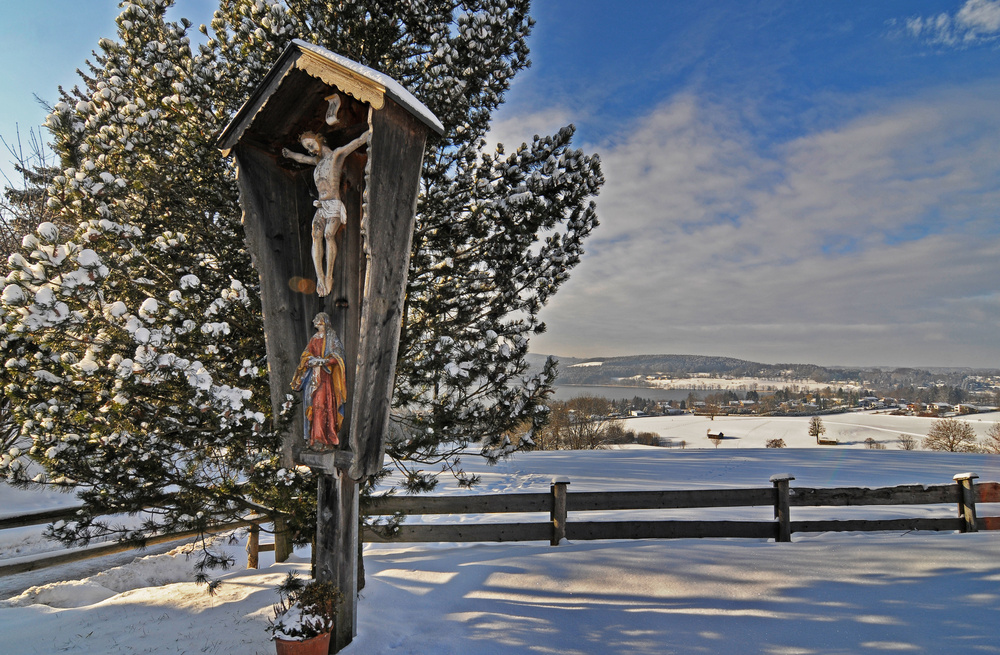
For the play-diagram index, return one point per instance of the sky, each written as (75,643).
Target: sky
(787,181)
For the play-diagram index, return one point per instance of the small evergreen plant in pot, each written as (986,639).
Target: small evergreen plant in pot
(306,609)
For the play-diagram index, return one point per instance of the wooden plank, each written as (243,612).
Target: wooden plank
(40,518)
(781,513)
(967,500)
(596,501)
(580,531)
(273,200)
(253,547)
(989,522)
(471,532)
(246,114)
(109,549)
(914,494)
(557,511)
(988,492)
(485,504)
(396,151)
(336,548)
(862,525)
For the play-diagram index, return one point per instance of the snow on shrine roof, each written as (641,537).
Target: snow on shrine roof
(364,83)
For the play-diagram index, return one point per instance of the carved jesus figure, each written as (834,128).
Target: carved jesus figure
(331,214)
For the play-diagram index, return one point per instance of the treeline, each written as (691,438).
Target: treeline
(618,370)
(589,423)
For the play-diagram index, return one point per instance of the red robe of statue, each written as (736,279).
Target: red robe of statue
(320,376)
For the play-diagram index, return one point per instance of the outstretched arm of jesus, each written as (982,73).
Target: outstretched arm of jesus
(302,159)
(355,144)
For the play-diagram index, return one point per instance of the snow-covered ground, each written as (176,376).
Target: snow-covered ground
(822,593)
(850,429)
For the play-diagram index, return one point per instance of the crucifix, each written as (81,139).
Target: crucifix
(351,224)
(331,215)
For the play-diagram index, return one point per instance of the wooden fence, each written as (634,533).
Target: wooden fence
(282,542)
(964,494)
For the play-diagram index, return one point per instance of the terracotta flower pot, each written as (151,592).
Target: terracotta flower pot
(319,645)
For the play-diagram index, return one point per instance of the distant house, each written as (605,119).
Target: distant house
(973,409)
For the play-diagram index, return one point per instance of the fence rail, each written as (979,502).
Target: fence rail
(964,494)
(282,543)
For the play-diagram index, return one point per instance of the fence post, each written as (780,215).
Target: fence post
(780,481)
(253,547)
(967,500)
(558,511)
(282,540)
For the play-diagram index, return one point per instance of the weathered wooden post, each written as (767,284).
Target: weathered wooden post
(253,547)
(781,505)
(967,500)
(330,230)
(557,513)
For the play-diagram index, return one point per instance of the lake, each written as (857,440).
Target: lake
(565,392)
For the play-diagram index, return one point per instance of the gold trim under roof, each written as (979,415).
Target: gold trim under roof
(345,79)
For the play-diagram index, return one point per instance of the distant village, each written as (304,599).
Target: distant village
(775,397)
(796,407)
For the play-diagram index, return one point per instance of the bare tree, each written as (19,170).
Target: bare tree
(775,443)
(951,435)
(580,423)
(906,442)
(648,438)
(992,442)
(816,427)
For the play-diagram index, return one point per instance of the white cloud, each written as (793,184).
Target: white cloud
(977,21)
(876,241)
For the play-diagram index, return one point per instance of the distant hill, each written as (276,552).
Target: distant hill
(616,370)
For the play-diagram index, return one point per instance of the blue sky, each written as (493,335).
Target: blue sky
(787,181)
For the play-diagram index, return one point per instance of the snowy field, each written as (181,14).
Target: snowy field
(850,429)
(823,593)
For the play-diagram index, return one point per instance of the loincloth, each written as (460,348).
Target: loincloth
(331,210)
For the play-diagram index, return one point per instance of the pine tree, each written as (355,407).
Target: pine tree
(135,348)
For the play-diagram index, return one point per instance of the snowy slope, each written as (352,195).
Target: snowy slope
(823,593)
(850,429)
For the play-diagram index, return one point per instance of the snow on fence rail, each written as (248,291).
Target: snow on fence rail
(965,493)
